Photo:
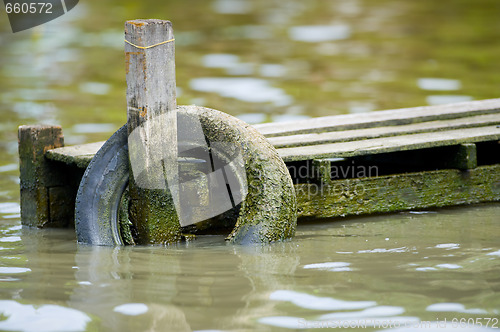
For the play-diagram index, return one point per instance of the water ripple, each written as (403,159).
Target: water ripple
(131,309)
(330,266)
(319,33)
(48,317)
(454,307)
(307,301)
(247,89)
(9,269)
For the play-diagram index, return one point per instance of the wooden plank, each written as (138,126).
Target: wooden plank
(408,191)
(391,144)
(381,118)
(80,155)
(386,131)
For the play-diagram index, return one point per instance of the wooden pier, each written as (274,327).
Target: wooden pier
(386,161)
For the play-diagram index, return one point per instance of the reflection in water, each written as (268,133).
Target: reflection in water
(10,209)
(47,317)
(131,309)
(289,117)
(448,246)
(454,307)
(330,266)
(13,270)
(319,33)
(375,269)
(324,58)
(85,128)
(242,88)
(272,70)
(116,283)
(252,118)
(495,253)
(95,88)
(220,60)
(230,62)
(379,311)
(438,84)
(449,266)
(446,99)
(307,301)
(232,6)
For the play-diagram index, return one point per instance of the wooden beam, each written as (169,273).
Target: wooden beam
(391,144)
(400,192)
(381,118)
(386,131)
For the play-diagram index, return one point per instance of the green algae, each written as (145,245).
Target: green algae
(268,212)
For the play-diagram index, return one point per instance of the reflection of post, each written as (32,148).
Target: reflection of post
(48,264)
(268,268)
(145,283)
(150,69)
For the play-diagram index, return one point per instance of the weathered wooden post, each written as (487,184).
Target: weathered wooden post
(152,129)
(47,199)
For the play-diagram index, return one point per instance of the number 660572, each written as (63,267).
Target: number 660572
(29,8)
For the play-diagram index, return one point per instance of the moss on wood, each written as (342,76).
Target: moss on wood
(399,192)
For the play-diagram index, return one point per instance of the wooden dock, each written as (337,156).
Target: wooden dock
(386,161)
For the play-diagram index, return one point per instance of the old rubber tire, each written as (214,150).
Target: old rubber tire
(99,195)
(267,214)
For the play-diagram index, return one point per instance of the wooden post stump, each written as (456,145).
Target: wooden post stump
(46,198)
(152,129)
(466,157)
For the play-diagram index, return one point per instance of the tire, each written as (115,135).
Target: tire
(100,191)
(267,213)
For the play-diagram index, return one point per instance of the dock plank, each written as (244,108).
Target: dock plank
(391,144)
(378,132)
(381,118)
(81,155)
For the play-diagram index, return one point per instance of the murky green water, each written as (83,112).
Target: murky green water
(262,61)
(386,271)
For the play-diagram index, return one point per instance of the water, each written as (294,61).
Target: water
(290,60)
(402,269)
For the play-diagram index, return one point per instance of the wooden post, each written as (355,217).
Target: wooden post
(323,169)
(466,157)
(46,199)
(152,128)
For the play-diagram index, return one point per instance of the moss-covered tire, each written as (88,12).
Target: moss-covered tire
(268,212)
(99,195)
